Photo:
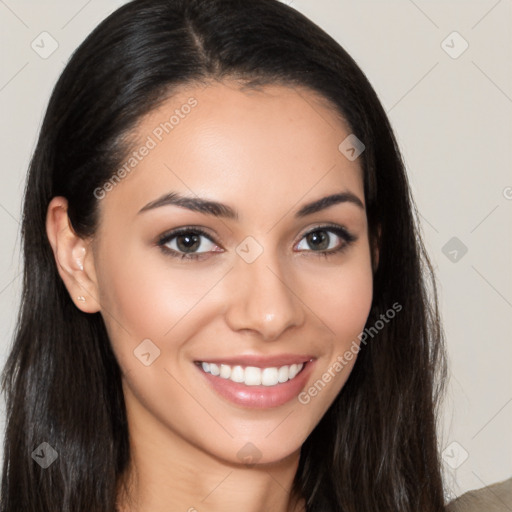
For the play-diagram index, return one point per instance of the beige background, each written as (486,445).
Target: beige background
(453,120)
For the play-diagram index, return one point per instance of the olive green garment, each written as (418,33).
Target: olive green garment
(493,498)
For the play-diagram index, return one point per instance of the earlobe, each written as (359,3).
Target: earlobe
(72,256)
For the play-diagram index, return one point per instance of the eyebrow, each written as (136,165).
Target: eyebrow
(216,209)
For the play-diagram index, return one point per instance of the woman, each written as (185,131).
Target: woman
(226,298)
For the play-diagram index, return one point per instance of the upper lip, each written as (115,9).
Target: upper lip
(260,361)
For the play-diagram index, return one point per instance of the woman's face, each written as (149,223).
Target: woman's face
(245,285)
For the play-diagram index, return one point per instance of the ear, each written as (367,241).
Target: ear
(73,256)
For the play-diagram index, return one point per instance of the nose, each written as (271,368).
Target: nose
(262,300)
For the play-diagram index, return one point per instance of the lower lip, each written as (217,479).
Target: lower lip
(259,397)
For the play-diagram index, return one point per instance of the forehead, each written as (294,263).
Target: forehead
(257,149)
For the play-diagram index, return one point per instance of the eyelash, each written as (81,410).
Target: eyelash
(167,237)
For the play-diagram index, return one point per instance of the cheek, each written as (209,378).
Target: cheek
(147,297)
(344,303)
(342,298)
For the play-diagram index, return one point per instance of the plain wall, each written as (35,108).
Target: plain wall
(452,115)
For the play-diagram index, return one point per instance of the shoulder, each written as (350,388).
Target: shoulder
(493,498)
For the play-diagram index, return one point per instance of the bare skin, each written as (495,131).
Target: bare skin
(266,154)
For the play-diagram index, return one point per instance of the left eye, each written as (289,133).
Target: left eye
(322,240)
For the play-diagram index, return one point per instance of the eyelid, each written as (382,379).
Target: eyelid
(171,233)
(328,227)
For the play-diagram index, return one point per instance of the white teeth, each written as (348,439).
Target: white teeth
(282,374)
(269,376)
(252,375)
(237,374)
(225,371)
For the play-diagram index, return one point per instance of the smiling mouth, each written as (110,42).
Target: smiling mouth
(253,375)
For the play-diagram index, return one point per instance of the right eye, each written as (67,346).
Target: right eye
(184,243)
